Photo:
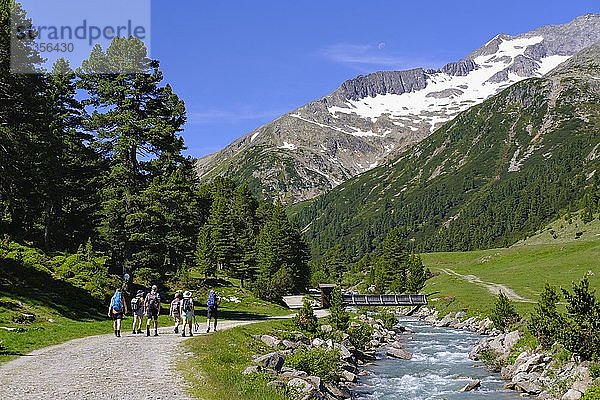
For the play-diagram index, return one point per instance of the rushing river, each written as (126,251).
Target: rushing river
(439,368)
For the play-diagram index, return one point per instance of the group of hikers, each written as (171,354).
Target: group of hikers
(181,310)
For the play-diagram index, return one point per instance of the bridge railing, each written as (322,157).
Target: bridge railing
(384,299)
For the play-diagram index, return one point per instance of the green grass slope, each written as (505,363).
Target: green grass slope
(557,258)
(39,307)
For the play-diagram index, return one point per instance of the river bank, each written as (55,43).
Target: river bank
(439,368)
(531,372)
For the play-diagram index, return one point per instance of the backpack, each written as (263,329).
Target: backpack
(116,303)
(186,305)
(212,300)
(135,304)
(175,306)
(153,300)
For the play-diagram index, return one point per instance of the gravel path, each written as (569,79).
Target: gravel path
(101,367)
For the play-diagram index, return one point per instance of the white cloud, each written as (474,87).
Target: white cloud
(222,115)
(372,56)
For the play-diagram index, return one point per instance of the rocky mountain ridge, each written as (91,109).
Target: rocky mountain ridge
(493,175)
(375,117)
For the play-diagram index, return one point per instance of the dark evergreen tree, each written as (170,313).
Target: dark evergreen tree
(224,246)
(392,268)
(338,316)
(137,122)
(504,315)
(205,259)
(581,333)
(417,274)
(72,201)
(24,132)
(281,252)
(546,322)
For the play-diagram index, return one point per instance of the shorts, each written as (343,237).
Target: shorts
(139,313)
(116,316)
(188,316)
(152,314)
(212,313)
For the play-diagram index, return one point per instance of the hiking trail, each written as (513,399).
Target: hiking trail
(494,288)
(132,367)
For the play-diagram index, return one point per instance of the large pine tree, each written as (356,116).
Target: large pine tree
(137,121)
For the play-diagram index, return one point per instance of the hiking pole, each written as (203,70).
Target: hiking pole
(196,325)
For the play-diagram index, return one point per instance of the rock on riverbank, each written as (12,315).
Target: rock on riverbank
(533,372)
(351,360)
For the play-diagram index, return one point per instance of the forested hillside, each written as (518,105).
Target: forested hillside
(95,156)
(490,177)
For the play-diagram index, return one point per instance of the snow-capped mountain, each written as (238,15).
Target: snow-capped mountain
(372,117)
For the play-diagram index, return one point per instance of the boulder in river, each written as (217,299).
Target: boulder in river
(398,353)
(471,386)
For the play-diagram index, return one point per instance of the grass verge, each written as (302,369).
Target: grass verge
(214,368)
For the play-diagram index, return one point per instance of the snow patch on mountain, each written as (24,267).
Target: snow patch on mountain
(287,146)
(447,95)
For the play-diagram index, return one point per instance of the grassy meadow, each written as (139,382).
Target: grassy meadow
(560,254)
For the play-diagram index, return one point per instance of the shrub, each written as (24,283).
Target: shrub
(504,314)
(360,335)
(546,322)
(491,360)
(145,277)
(338,316)
(389,319)
(273,288)
(595,370)
(593,393)
(306,320)
(316,361)
(562,356)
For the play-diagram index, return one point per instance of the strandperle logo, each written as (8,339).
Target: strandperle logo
(70,29)
(91,33)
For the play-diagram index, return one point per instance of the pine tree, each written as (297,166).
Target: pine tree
(581,332)
(546,322)
(339,317)
(333,264)
(222,234)
(245,231)
(205,259)
(280,248)
(163,232)
(70,211)
(504,314)
(135,119)
(24,132)
(417,275)
(392,269)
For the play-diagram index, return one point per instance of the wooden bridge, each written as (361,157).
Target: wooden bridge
(384,299)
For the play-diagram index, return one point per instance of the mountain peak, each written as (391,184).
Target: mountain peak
(373,117)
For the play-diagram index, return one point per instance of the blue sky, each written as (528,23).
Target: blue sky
(239,64)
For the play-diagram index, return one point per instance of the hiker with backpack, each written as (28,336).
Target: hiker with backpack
(212,304)
(137,309)
(174,311)
(187,312)
(116,309)
(152,309)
